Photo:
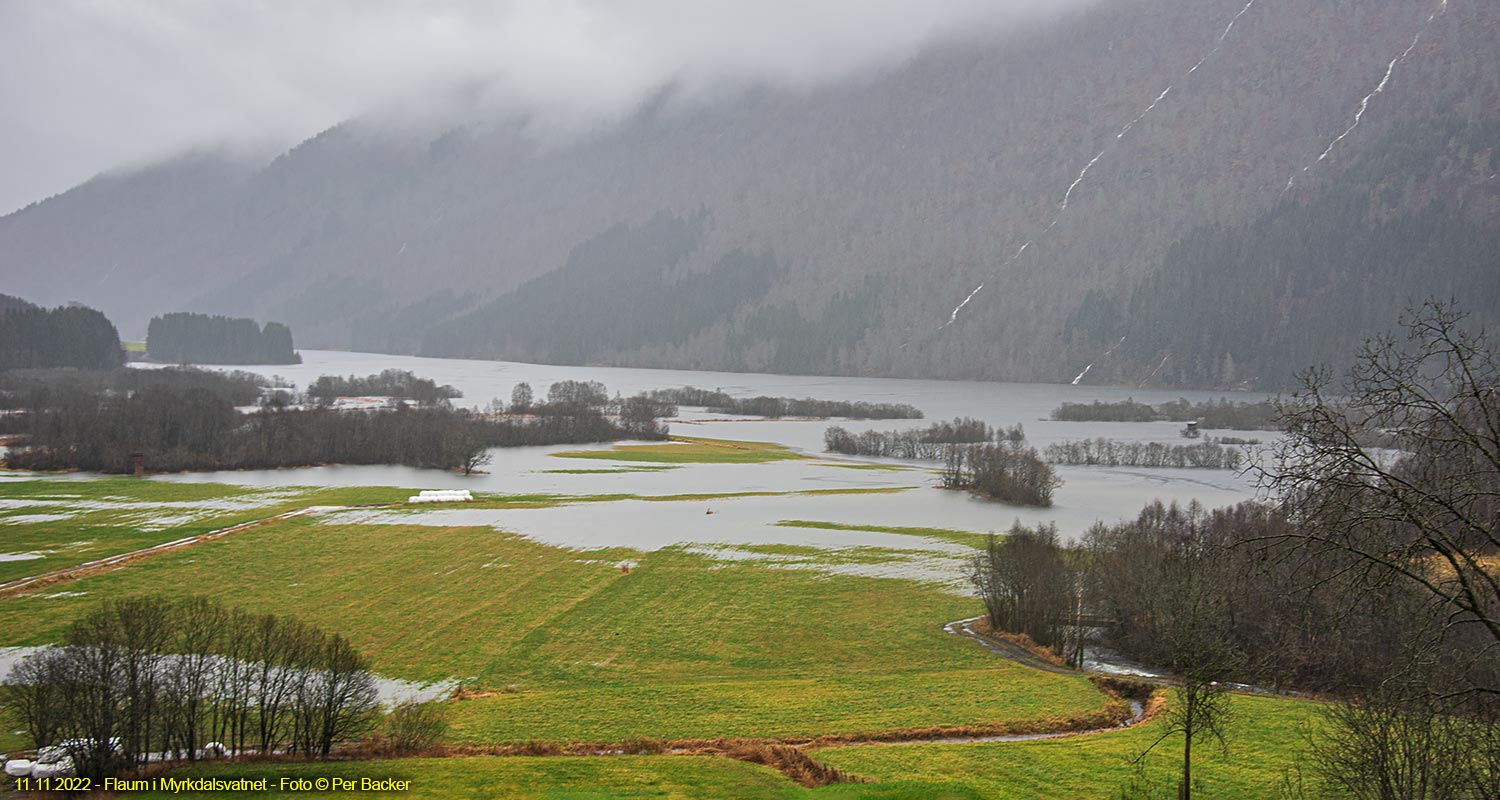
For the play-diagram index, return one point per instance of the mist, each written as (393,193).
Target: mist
(91,85)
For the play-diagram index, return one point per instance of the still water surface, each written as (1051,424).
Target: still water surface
(1087,495)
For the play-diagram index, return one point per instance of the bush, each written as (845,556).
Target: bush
(413,727)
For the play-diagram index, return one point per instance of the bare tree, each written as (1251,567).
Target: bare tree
(1401,743)
(32,694)
(1028,587)
(521,398)
(474,455)
(1423,507)
(1200,648)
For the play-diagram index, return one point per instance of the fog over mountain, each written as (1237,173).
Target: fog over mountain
(92,85)
(758,187)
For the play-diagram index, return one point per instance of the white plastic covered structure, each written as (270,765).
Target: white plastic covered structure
(441,496)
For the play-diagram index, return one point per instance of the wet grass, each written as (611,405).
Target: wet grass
(93,519)
(681,646)
(868,467)
(969,538)
(1264,742)
(549,500)
(691,450)
(867,704)
(574,778)
(565,626)
(608,471)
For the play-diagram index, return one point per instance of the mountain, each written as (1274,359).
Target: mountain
(834,230)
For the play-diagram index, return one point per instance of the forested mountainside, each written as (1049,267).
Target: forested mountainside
(835,229)
(1413,218)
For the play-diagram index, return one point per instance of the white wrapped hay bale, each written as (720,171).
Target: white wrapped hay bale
(18,768)
(55,769)
(441,496)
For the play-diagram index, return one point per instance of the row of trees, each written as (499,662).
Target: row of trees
(194,428)
(67,336)
(1010,473)
(187,338)
(1210,415)
(43,388)
(1115,453)
(718,402)
(397,383)
(144,677)
(928,443)
(1370,577)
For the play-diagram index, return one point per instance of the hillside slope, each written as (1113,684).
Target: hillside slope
(829,230)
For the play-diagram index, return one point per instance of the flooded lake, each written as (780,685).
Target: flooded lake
(1088,494)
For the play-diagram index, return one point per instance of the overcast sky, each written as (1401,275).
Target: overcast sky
(91,85)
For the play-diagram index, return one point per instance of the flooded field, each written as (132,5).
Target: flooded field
(1088,494)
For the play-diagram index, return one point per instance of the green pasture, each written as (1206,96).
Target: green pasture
(690,450)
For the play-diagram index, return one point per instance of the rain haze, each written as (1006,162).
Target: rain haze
(92,85)
(711,393)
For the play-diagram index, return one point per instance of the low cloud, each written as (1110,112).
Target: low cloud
(87,85)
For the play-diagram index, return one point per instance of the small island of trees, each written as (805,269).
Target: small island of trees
(185,338)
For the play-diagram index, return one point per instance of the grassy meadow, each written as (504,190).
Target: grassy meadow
(69,522)
(691,450)
(1265,744)
(559,645)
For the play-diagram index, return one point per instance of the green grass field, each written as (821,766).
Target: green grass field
(1265,742)
(970,538)
(869,704)
(868,467)
(690,450)
(611,470)
(565,646)
(761,650)
(574,778)
(69,522)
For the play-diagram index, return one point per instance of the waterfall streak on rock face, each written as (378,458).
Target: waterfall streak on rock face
(1067,197)
(1222,37)
(1364,104)
(952,318)
(1107,354)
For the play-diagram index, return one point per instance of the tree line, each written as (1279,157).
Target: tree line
(66,336)
(1210,415)
(146,677)
(188,338)
(930,443)
(41,388)
(717,402)
(1115,453)
(398,383)
(173,425)
(1366,576)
